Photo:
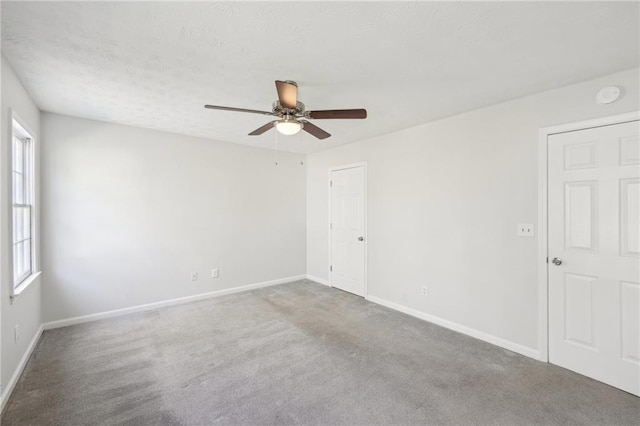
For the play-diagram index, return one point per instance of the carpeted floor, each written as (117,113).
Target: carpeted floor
(297,353)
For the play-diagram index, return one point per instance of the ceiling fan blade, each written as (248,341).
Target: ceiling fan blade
(337,113)
(253,111)
(314,130)
(261,130)
(287,93)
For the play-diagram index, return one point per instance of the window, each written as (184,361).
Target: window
(23,208)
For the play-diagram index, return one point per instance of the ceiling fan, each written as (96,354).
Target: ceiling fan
(292,114)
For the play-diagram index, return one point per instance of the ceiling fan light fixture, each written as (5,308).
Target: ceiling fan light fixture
(288,127)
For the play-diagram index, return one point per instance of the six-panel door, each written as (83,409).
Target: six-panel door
(594,235)
(348,229)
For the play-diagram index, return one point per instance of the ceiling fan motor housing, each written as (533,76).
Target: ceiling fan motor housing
(280,110)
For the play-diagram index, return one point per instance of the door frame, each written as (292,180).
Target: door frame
(362,164)
(543,243)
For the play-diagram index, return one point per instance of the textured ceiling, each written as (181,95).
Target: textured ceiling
(155,64)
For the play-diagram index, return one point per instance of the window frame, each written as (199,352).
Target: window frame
(29,171)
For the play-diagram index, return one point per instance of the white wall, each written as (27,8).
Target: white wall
(128,213)
(444,200)
(24,310)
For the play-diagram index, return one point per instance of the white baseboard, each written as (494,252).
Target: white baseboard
(6,394)
(149,306)
(494,340)
(319,280)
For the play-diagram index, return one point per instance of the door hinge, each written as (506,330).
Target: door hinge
(331,268)
(547,260)
(330,183)
(331,226)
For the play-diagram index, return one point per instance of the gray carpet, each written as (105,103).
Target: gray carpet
(298,353)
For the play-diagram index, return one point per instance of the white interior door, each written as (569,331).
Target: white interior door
(347,229)
(594,248)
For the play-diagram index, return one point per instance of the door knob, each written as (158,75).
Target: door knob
(360,238)
(556,261)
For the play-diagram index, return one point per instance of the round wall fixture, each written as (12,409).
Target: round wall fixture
(608,95)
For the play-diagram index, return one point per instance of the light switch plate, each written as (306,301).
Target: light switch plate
(525,230)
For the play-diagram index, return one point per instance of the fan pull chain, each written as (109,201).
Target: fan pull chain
(301,146)
(276,133)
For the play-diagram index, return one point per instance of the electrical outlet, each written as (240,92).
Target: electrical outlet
(525,230)
(215,273)
(16,333)
(423,291)
(194,276)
